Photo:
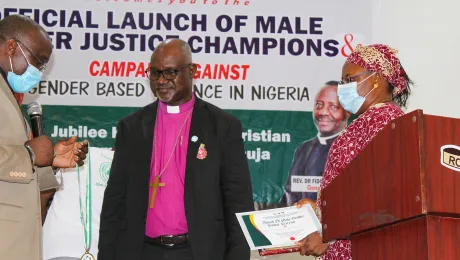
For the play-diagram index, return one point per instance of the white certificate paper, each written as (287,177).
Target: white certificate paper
(278,227)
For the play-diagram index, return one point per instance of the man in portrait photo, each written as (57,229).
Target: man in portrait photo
(310,157)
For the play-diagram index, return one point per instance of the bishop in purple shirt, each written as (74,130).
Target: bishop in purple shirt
(179,173)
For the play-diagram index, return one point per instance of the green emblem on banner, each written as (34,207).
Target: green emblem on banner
(104,171)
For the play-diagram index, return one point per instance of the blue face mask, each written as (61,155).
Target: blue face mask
(25,82)
(349,97)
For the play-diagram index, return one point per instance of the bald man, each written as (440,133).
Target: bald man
(179,174)
(310,157)
(25,48)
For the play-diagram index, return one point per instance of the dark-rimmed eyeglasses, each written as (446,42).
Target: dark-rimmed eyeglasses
(352,78)
(168,74)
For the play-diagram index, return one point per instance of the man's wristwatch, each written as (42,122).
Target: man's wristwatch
(31,154)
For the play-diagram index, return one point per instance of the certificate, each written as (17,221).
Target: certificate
(281,227)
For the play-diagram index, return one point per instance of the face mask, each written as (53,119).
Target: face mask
(349,97)
(25,82)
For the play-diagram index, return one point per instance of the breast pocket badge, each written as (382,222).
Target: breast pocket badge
(202,153)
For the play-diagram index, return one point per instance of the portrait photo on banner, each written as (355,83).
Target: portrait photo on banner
(302,181)
(309,159)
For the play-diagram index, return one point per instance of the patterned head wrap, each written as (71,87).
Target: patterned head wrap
(381,59)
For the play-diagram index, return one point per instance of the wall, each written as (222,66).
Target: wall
(426,34)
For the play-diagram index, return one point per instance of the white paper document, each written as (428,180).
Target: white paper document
(278,227)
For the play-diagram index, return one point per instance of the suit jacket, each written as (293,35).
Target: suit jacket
(20,222)
(216,187)
(46,177)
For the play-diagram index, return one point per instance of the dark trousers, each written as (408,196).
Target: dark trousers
(154,252)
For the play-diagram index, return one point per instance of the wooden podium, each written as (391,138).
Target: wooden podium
(400,198)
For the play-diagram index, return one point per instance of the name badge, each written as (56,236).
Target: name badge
(305,183)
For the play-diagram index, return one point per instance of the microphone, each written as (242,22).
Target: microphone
(34,110)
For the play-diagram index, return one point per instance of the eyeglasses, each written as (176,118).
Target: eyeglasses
(169,74)
(352,78)
(42,64)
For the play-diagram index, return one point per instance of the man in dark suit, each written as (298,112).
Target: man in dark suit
(310,157)
(179,174)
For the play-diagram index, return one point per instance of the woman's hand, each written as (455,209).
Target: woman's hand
(302,202)
(312,245)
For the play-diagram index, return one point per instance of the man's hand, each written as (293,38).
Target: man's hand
(42,148)
(312,245)
(69,153)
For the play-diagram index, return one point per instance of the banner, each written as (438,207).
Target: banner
(263,61)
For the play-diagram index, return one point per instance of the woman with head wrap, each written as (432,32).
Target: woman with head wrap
(374,86)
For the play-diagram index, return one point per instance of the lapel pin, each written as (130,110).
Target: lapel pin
(194,138)
(201,152)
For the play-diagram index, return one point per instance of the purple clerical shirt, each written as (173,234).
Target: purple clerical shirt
(167,217)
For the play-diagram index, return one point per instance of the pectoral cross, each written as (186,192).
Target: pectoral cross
(156,183)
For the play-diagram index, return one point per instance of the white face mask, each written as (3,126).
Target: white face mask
(349,97)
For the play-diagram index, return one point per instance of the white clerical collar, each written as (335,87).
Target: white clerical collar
(173,109)
(323,139)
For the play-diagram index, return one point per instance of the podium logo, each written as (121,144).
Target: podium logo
(450,157)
